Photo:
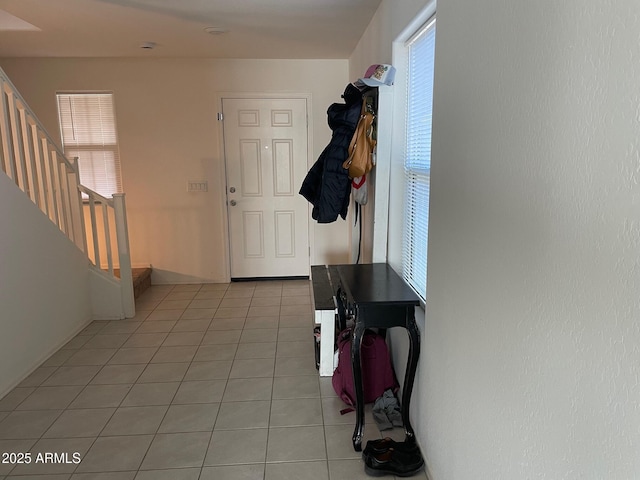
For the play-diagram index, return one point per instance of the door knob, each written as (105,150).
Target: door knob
(232,189)
(233,203)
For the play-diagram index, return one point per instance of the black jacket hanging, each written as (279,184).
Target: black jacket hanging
(327,186)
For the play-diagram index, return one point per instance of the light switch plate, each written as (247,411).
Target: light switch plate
(197,186)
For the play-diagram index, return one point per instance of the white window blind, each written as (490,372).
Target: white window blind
(417,165)
(88,127)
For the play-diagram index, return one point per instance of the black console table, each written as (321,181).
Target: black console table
(379,298)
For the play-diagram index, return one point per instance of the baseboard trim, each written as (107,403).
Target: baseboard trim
(266,279)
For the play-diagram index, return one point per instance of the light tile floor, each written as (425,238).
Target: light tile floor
(207,382)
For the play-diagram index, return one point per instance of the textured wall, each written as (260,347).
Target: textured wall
(531,361)
(44,287)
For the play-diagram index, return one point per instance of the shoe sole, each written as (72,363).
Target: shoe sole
(379,472)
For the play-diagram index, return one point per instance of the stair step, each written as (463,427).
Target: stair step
(141,279)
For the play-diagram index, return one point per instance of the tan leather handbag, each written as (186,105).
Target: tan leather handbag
(360,161)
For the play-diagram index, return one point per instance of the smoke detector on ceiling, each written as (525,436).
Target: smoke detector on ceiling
(148,45)
(216,30)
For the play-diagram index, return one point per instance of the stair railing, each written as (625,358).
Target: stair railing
(37,166)
(30,157)
(105,213)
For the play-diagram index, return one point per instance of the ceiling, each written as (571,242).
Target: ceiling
(118,28)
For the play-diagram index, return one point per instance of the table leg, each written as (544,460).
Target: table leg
(358,333)
(412,364)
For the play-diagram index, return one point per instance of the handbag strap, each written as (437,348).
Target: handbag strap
(354,138)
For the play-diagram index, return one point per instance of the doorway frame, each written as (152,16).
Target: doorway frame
(220,96)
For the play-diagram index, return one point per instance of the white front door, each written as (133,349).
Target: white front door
(266,149)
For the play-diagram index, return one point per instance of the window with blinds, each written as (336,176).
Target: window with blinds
(88,130)
(417,164)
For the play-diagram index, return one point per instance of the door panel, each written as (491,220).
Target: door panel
(266,158)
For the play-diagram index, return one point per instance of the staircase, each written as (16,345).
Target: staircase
(38,167)
(141,279)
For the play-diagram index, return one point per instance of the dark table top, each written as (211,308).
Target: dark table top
(325,283)
(376,283)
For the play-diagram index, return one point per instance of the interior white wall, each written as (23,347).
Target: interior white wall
(532,347)
(166,115)
(530,355)
(44,287)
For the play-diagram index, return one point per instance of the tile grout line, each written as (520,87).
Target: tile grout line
(121,401)
(169,407)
